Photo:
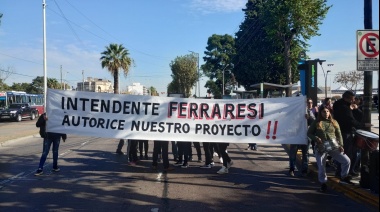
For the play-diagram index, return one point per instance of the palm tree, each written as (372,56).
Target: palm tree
(114,58)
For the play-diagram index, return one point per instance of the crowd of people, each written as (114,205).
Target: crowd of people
(182,154)
(330,134)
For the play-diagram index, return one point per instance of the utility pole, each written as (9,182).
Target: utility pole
(61,78)
(364,156)
(44,51)
(288,65)
(367,74)
(64,80)
(82,80)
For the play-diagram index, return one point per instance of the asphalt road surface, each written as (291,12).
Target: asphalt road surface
(94,178)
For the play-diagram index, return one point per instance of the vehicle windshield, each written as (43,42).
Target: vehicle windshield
(15,106)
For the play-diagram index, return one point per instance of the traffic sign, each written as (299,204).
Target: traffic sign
(367,50)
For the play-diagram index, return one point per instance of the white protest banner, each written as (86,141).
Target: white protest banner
(275,121)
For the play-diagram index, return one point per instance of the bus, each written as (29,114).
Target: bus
(3,100)
(35,100)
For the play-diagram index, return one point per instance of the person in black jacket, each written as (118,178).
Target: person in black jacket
(348,124)
(49,139)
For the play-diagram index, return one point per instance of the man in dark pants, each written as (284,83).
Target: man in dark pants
(175,151)
(208,155)
(161,147)
(197,146)
(120,147)
(348,124)
(143,146)
(183,149)
(227,162)
(132,155)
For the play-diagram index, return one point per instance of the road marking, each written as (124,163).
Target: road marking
(10,179)
(158,178)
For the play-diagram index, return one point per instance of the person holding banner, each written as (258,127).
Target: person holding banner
(143,145)
(325,131)
(183,153)
(132,153)
(227,162)
(120,147)
(175,151)
(311,113)
(197,147)
(49,139)
(161,147)
(207,148)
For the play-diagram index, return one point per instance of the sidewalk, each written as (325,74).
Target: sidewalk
(355,192)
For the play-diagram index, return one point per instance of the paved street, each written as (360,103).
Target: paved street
(94,178)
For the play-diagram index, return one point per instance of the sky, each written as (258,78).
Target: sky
(154,32)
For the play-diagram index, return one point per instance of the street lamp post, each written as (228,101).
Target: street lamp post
(328,71)
(329,65)
(324,74)
(64,80)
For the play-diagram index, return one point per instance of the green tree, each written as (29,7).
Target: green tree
(218,60)
(255,59)
(37,85)
(271,37)
(173,87)
(152,91)
(19,86)
(114,58)
(184,74)
(292,21)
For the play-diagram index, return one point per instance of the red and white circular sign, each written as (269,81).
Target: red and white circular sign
(367,50)
(367,45)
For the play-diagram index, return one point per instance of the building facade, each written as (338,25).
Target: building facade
(95,85)
(137,89)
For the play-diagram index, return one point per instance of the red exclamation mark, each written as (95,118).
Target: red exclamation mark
(274,130)
(268,130)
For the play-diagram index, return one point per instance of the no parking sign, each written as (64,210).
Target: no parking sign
(367,50)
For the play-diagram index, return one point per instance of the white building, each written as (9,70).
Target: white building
(136,89)
(95,85)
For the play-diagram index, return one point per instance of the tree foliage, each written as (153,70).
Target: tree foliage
(218,59)
(19,87)
(114,58)
(351,80)
(36,87)
(152,91)
(273,32)
(184,74)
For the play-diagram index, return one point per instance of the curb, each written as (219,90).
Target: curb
(354,192)
(20,138)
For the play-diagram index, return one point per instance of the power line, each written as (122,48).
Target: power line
(68,23)
(132,48)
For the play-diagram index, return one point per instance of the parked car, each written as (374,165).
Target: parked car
(18,111)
